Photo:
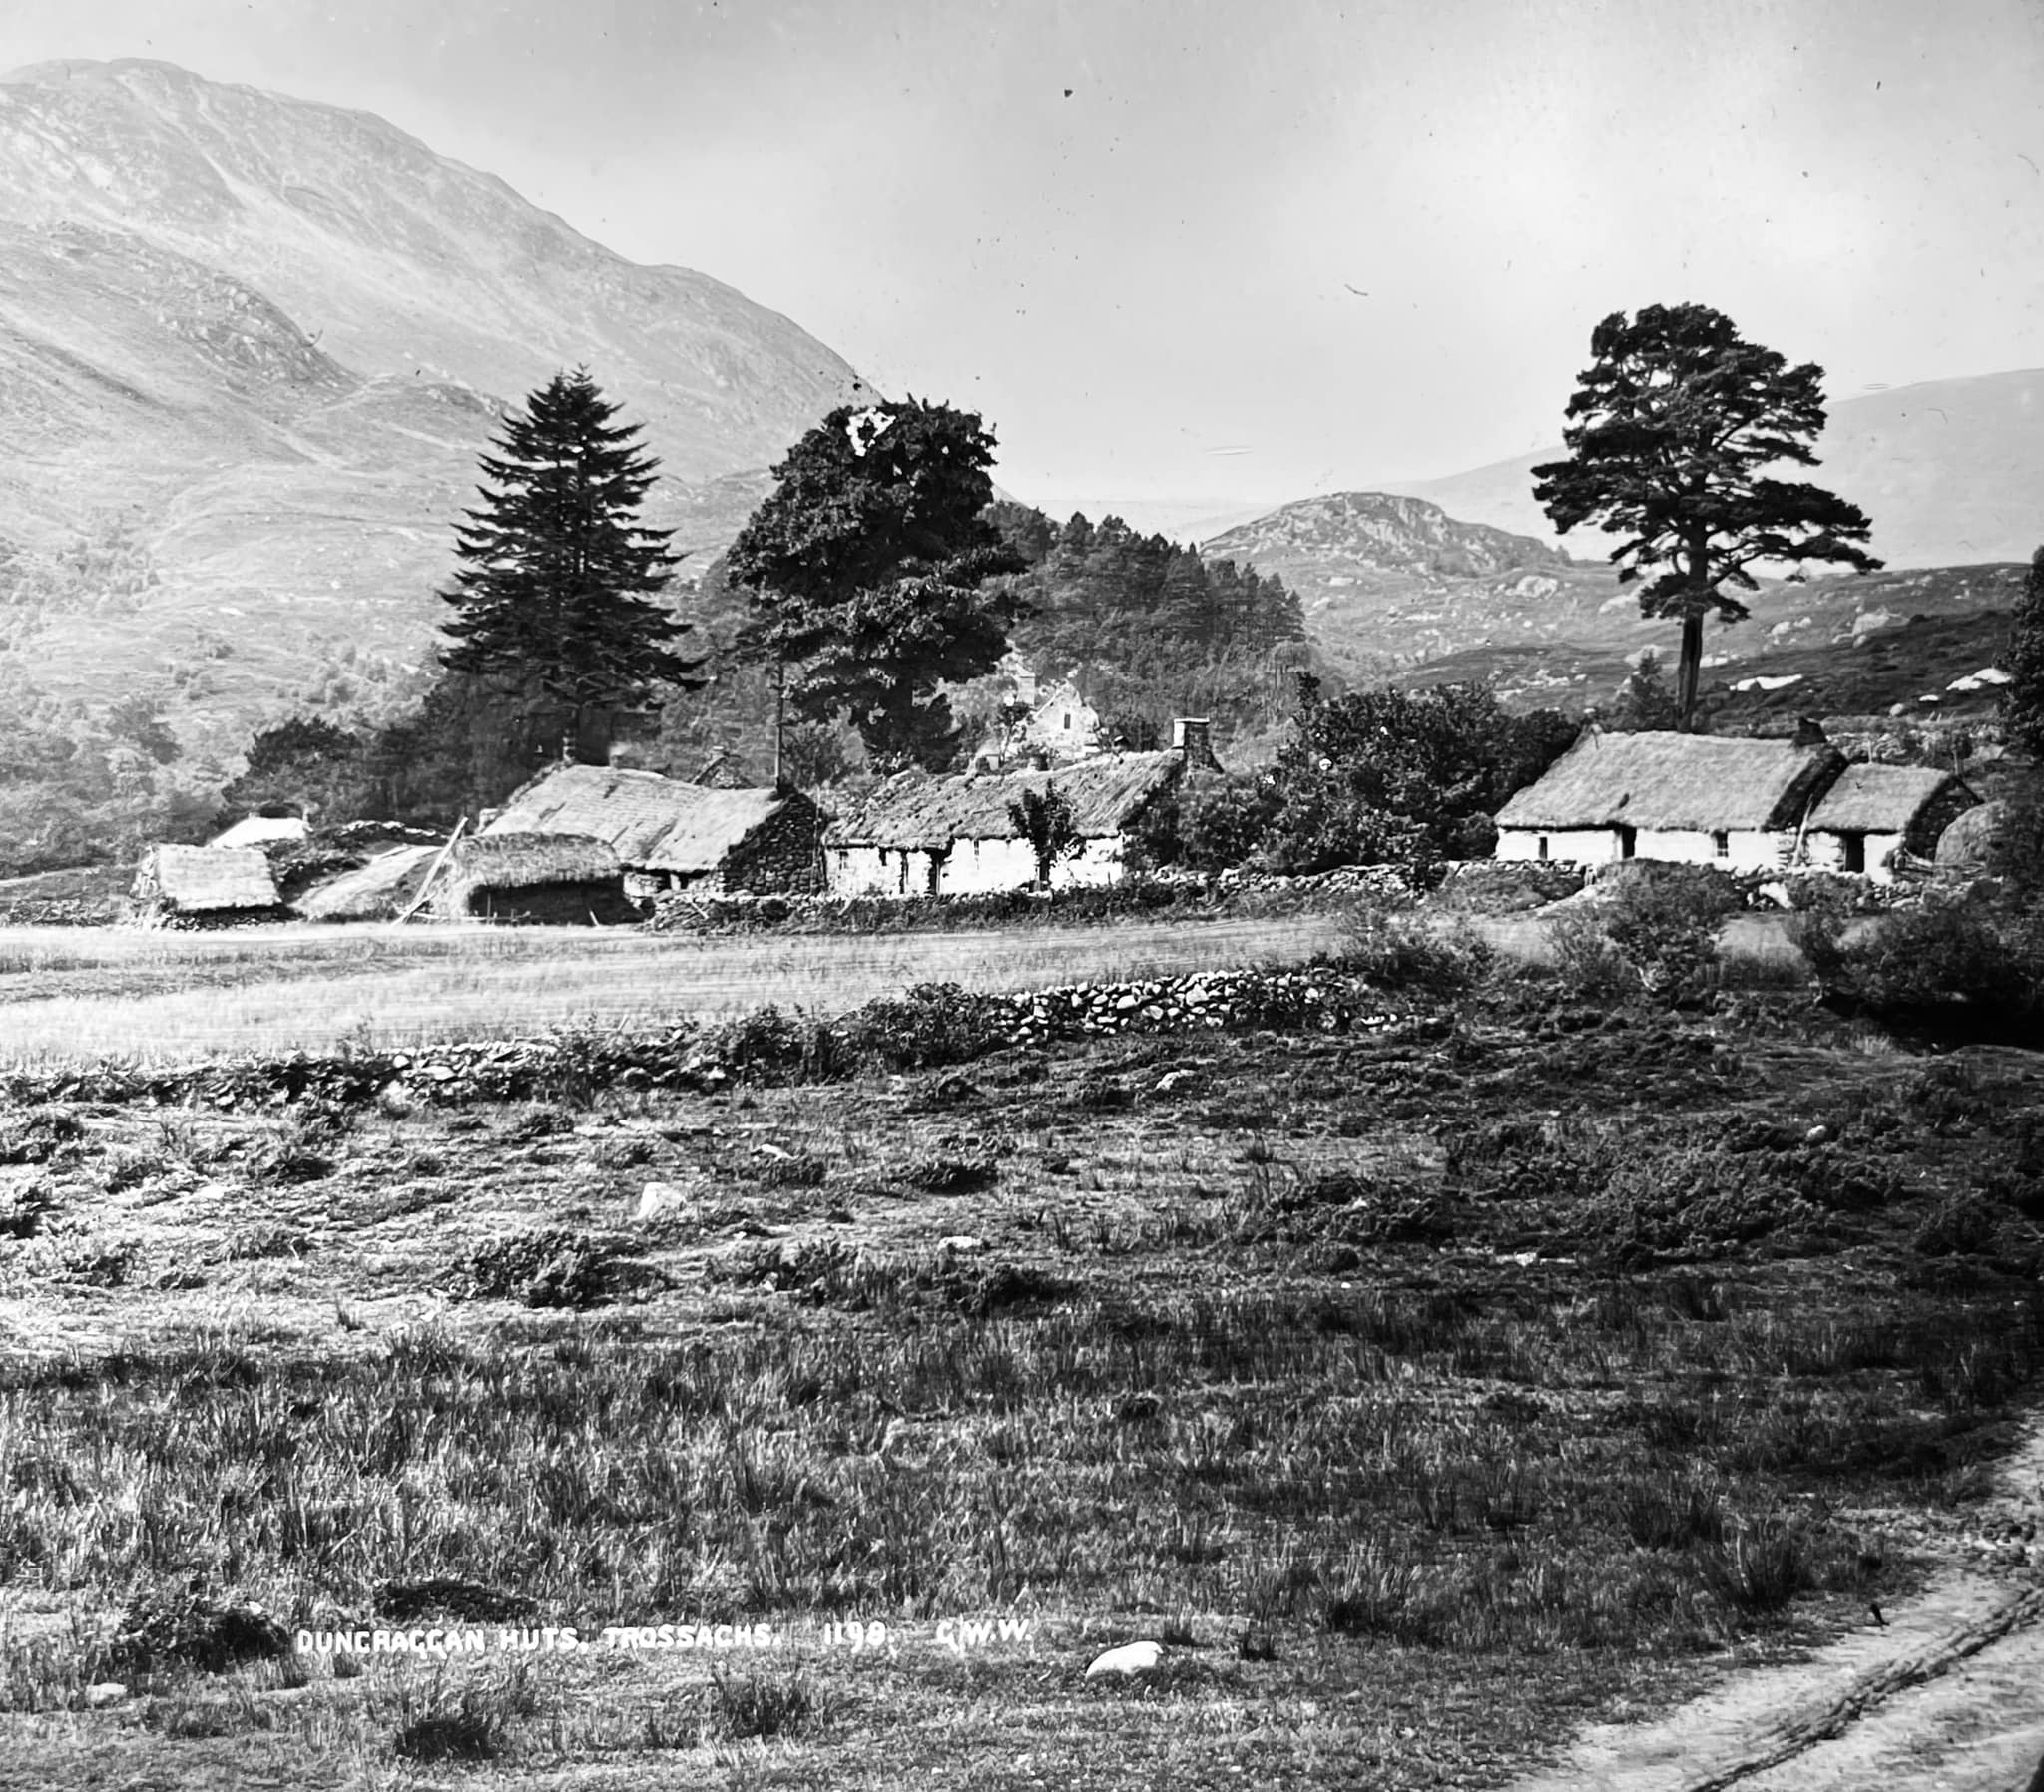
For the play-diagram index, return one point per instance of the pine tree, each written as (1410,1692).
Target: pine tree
(557,593)
(1672,427)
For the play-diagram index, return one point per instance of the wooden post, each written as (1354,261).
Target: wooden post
(426,889)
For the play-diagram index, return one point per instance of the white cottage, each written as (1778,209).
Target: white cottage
(1874,812)
(916,836)
(1695,798)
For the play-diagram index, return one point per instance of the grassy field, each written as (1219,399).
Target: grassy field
(1424,1393)
(78,994)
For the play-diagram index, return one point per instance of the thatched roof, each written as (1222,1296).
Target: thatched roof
(518,861)
(381,890)
(652,824)
(914,811)
(1964,846)
(198,880)
(253,830)
(1669,780)
(1879,799)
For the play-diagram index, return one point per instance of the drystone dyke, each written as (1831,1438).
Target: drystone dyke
(766,1046)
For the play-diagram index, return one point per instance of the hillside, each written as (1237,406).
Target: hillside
(1393,586)
(1951,472)
(252,347)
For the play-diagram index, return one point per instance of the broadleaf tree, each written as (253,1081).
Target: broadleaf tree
(1043,818)
(866,570)
(558,593)
(1673,426)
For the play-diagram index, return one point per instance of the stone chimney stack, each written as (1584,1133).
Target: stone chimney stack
(1810,731)
(1191,739)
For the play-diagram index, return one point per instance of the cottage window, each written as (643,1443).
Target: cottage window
(1068,718)
(1720,844)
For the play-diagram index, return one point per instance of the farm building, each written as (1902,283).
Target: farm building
(259,831)
(563,878)
(923,837)
(210,884)
(1875,811)
(669,835)
(1742,805)
(380,890)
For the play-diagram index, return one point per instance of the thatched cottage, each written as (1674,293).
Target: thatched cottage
(668,835)
(214,884)
(921,836)
(1874,812)
(380,890)
(561,878)
(1699,798)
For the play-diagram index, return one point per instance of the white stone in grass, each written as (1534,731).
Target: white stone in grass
(1130,1658)
(106,1692)
(961,1241)
(656,1199)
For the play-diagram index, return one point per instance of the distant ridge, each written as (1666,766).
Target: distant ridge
(1950,471)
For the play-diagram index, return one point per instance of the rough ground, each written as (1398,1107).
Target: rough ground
(1948,1694)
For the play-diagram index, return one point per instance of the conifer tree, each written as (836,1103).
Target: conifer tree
(559,585)
(1671,428)
(2022,698)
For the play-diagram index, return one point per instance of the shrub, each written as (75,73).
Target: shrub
(935,1023)
(550,1267)
(1585,960)
(1663,923)
(1396,949)
(168,1625)
(1949,953)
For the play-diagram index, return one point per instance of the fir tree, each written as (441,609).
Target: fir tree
(558,590)
(1672,427)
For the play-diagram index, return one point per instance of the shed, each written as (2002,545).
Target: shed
(215,884)
(380,890)
(562,878)
(1697,799)
(917,835)
(1875,811)
(671,835)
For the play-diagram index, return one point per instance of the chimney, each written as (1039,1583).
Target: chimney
(1191,739)
(1809,733)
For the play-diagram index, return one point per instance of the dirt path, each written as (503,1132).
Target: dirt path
(1950,1696)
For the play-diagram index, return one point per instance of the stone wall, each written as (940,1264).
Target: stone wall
(783,855)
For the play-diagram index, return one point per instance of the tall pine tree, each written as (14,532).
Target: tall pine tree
(559,585)
(1673,428)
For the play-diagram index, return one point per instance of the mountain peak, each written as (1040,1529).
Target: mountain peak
(1383,530)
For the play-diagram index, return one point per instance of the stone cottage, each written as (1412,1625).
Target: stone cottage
(1874,812)
(674,836)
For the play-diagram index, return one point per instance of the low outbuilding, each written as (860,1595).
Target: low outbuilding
(565,879)
(1873,815)
(210,885)
(674,836)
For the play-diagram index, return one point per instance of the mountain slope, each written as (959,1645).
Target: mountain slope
(1951,473)
(1393,586)
(257,345)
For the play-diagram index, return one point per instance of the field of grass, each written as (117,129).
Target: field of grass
(78,994)
(1425,1392)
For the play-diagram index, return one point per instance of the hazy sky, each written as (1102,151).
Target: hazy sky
(1223,250)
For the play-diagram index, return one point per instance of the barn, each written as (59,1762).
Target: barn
(922,836)
(1874,812)
(673,836)
(1697,799)
(209,885)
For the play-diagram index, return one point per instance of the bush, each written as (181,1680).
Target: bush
(1949,953)
(167,1626)
(1663,922)
(551,1267)
(1395,949)
(935,1023)
(1585,960)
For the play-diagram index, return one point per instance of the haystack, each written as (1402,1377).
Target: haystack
(1964,848)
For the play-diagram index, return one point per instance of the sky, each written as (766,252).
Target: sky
(1197,258)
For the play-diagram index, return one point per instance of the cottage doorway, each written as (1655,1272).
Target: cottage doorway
(1628,842)
(1855,852)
